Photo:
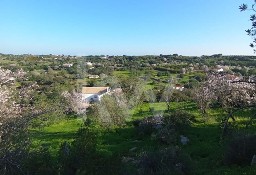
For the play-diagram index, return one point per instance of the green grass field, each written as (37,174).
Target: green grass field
(122,74)
(52,136)
(205,148)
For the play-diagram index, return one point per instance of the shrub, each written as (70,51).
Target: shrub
(148,125)
(180,96)
(240,150)
(167,136)
(178,120)
(11,161)
(80,155)
(173,123)
(168,161)
(40,162)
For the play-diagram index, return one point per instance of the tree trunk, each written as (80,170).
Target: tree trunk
(225,127)
(168,106)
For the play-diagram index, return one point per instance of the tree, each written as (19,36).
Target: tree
(167,93)
(111,111)
(252,31)
(203,97)
(74,102)
(134,91)
(230,95)
(15,114)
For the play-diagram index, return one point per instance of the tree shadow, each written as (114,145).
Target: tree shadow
(52,140)
(42,135)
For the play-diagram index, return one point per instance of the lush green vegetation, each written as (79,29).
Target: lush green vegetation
(149,140)
(205,147)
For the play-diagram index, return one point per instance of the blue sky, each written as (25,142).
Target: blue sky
(130,27)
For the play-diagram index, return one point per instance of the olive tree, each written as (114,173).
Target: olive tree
(74,103)
(167,93)
(112,110)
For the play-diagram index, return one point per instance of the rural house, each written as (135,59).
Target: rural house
(178,87)
(94,94)
(93,76)
(67,65)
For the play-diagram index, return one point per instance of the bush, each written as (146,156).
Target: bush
(40,162)
(80,155)
(173,123)
(178,120)
(11,161)
(168,161)
(180,96)
(148,125)
(167,136)
(164,129)
(240,150)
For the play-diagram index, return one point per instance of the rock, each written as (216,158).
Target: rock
(184,140)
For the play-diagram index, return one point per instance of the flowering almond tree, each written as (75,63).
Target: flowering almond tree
(231,95)
(74,102)
(15,114)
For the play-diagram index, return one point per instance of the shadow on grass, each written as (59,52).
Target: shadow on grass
(207,151)
(120,141)
(52,135)
(143,114)
(205,147)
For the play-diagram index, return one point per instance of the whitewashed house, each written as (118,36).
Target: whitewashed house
(89,64)
(67,65)
(93,76)
(220,70)
(178,87)
(94,94)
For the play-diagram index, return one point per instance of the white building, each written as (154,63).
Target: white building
(67,65)
(178,87)
(93,76)
(88,64)
(94,94)
(220,70)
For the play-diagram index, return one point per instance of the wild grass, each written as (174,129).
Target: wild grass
(122,74)
(205,146)
(54,135)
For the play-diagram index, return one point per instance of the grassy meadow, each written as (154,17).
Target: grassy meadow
(205,147)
